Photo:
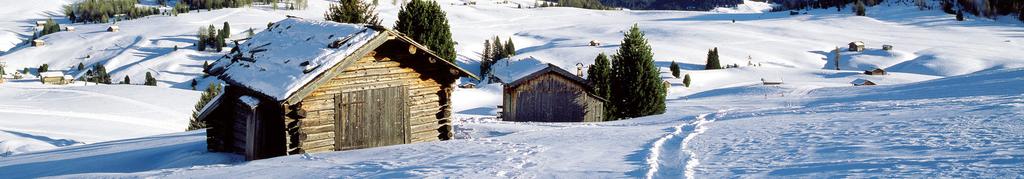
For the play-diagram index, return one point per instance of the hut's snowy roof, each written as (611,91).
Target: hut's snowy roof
(860,81)
(51,74)
(280,60)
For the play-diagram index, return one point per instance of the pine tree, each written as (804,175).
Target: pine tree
(686,80)
(226,31)
(194,83)
(211,32)
(212,91)
(859,9)
(203,38)
(251,32)
(206,65)
(837,57)
(713,62)
(636,89)
(485,59)
(150,81)
(499,49)
(126,80)
(959,15)
(599,75)
(81,66)
(425,22)
(43,68)
(510,49)
(674,68)
(352,11)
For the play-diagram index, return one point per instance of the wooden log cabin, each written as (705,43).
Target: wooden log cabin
(551,95)
(306,86)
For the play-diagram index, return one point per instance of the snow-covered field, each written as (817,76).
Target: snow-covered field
(951,106)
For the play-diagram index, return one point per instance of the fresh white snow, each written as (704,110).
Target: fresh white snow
(950,106)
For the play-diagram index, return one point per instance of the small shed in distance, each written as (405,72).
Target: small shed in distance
(38,43)
(862,82)
(552,95)
(113,28)
(857,46)
(55,78)
(876,71)
(887,47)
(595,43)
(69,28)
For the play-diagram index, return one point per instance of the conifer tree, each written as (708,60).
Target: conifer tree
(959,15)
(837,57)
(636,88)
(43,68)
(194,83)
(425,22)
(212,91)
(510,49)
(226,30)
(686,80)
(150,81)
(485,59)
(599,75)
(203,38)
(499,49)
(674,68)
(352,11)
(126,80)
(859,9)
(81,66)
(713,62)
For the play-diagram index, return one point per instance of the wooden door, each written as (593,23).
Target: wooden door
(371,118)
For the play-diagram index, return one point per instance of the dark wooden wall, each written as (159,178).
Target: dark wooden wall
(551,98)
(227,125)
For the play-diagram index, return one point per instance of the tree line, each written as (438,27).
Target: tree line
(105,10)
(494,50)
(210,37)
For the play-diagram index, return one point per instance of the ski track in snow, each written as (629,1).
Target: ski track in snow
(676,160)
(699,127)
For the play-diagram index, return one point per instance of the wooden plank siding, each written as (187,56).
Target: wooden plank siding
(551,97)
(366,74)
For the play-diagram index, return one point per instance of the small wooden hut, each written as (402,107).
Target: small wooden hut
(38,43)
(857,46)
(862,82)
(552,95)
(887,47)
(876,71)
(595,43)
(305,86)
(113,28)
(69,28)
(54,78)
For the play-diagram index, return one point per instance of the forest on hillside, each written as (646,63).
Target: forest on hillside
(693,5)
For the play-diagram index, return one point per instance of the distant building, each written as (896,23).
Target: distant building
(40,24)
(38,43)
(857,46)
(551,95)
(55,78)
(876,71)
(113,28)
(595,43)
(69,28)
(887,47)
(862,82)
(768,83)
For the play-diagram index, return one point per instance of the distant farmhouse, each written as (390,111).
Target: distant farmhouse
(862,82)
(113,28)
(55,78)
(38,43)
(857,46)
(551,95)
(876,71)
(304,86)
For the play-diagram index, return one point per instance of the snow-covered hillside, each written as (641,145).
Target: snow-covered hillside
(949,107)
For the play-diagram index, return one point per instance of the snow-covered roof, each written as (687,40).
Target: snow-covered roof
(52,74)
(279,61)
(249,101)
(860,81)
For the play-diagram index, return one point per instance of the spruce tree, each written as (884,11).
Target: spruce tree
(194,83)
(959,15)
(485,59)
(43,68)
(211,33)
(499,49)
(599,75)
(636,89)
(837,57)
(859,9)
(126,80)
(81,66)
(713,62)
(352,11)
(226,30)
(510,49)
(150,81)
(675,69)
(425,22)
(203,38)
(686,80)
